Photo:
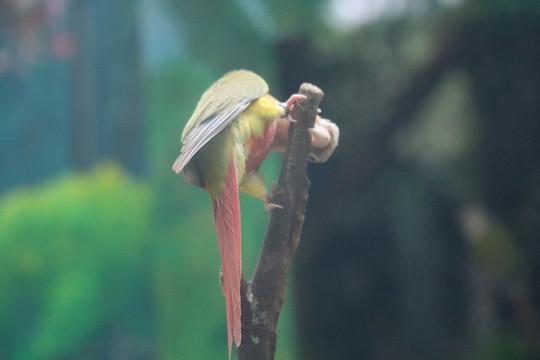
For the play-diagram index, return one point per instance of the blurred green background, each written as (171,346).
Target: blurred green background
(422,236)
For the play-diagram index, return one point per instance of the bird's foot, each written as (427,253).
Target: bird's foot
(268,204)
(291,103)
(324,139)
(293,99)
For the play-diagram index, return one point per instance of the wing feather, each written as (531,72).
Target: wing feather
(217,108)
(205,131)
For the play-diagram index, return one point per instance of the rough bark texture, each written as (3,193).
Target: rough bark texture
(262,297)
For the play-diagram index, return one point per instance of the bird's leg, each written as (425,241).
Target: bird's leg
(293,99)
(268,204)
(324,139)
(291,103)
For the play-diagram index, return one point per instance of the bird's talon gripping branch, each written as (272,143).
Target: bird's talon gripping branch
(324,139)
(292,102)
(319,137)
(290,118)
(268,206)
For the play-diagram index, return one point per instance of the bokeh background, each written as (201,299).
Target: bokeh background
(421,239)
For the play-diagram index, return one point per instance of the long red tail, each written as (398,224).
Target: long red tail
(229,233)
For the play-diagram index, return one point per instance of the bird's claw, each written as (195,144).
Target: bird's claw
(271,206)
(324,134)
(293,99)
(320,137)
(291,103)
(324,139)
(268,204)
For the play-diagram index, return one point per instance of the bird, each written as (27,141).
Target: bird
(229,134)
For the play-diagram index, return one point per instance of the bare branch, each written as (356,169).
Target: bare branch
(263,296)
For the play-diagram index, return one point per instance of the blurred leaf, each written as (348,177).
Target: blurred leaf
(68,248)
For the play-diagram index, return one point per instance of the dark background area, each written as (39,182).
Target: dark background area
(421,239)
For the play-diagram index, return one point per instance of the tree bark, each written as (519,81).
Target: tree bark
(262,297)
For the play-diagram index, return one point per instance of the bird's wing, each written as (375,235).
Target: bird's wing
(217,108)
(205,131)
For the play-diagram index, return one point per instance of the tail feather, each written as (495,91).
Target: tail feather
(229,232)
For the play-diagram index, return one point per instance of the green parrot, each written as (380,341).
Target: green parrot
(231,131)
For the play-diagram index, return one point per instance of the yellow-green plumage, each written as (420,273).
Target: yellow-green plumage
(240,108)
(214,158)
(225,94)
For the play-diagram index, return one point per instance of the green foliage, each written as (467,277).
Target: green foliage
(87,256)
(73,255)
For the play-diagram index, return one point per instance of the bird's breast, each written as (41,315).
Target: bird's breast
(257,124)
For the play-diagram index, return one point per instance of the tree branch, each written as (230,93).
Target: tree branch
(263,296)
